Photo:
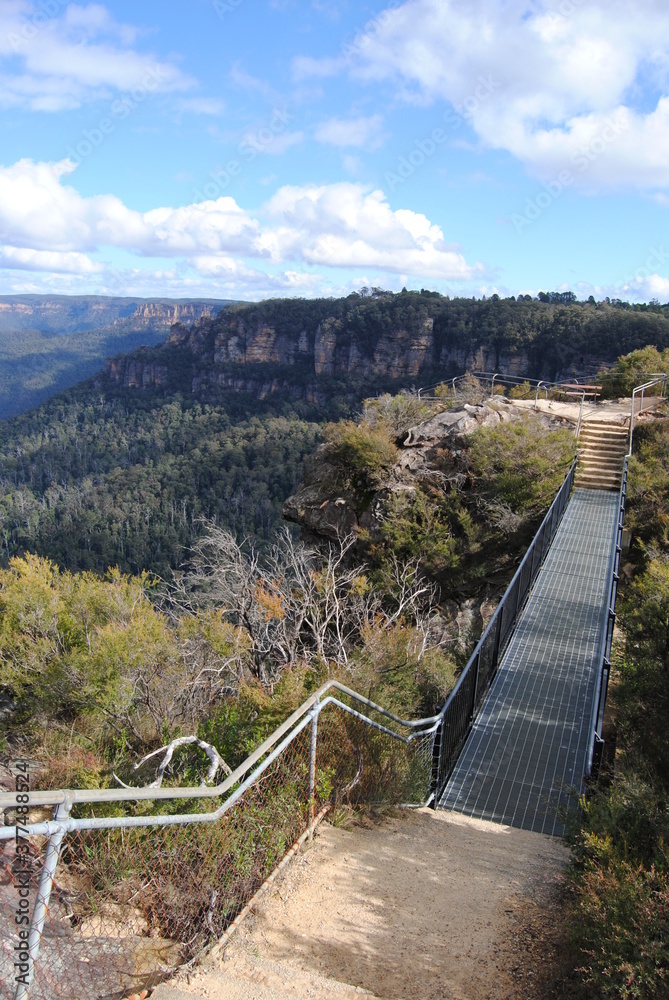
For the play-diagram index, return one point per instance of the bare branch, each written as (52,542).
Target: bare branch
(217,762)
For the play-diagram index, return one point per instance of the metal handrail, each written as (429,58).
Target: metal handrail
(247,774)
(596,749)
(76,796)
(657,380)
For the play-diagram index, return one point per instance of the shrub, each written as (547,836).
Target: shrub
(425,525)
(630,369)
(522,391)
(620,925)
(364,452)
(522,463)
(396,414)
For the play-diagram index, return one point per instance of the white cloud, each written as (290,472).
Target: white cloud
(532,80)
(337,225)
(23,259)
(340,225)
(235,271)
(360,131)
(72,55)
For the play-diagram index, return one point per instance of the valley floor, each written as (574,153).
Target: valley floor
(419,905)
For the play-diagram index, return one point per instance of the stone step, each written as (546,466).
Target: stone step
(607,425)
(590,483)
(606,472)
(606,450)
(594,469)
(609,452)
(618,441)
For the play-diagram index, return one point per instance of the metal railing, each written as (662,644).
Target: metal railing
(121,899)
(457,716)
(606,638)
(639,393)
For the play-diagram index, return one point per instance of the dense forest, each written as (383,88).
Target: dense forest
(120,473)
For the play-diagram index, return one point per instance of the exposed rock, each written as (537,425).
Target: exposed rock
(434,451)
(340,339)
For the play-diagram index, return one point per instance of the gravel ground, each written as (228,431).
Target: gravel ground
(419,905)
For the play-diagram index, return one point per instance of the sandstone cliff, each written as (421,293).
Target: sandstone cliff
(296,345)
(62,314)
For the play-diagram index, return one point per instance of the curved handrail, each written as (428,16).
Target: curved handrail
(79,796)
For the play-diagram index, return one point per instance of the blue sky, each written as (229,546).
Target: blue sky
(247,148)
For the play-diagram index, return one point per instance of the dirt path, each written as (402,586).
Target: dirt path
(422,905)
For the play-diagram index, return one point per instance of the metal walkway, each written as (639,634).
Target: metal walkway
(530,742)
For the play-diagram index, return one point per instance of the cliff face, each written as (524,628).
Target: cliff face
(410,338)
(73,313)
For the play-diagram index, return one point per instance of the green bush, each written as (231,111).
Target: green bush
(522,463)
(428,525)
(360,455)
(630,371)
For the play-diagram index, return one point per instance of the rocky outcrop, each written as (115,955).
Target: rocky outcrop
(432,450)
(134,374)
(433,454)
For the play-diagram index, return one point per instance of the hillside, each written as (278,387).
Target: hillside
(48,343)
(217,420)
(376,340)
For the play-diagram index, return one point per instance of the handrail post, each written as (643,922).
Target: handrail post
(312,767)
(632,423)
(580,415)
(51,859)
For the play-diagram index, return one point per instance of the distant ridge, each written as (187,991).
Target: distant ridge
(50,342)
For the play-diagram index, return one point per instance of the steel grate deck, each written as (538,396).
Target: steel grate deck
(530,742)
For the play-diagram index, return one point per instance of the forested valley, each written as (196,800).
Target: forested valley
(115,474)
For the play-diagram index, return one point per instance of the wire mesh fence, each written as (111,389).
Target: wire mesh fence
(142,888)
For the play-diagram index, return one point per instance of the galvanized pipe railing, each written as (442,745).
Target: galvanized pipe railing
(640,390)
(248,774)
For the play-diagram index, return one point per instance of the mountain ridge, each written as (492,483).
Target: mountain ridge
(388,339)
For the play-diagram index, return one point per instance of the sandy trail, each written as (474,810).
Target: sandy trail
(422,905)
